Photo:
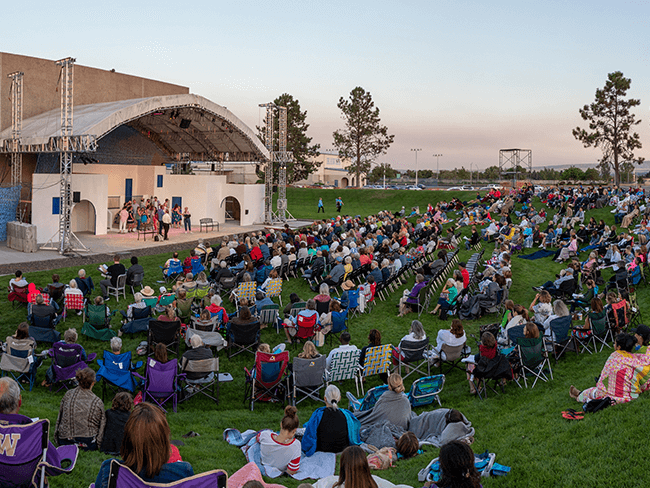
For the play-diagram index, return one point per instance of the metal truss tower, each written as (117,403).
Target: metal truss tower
(283,158)
(67,240)
(510,160)
(268,171)
(16,127)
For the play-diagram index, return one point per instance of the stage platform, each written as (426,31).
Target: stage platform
(102,247)
(293,224)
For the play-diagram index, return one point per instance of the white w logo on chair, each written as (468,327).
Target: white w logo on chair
(8,444)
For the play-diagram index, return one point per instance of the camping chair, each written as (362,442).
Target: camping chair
(66,361)
(635,310)
(377,361)
(201,292)
(368,401)
(208,332)
(150,301)
(484,380)
(353,303)
(323,307)
(560,336)
(425,390)
(19,294)
(242,338)
(246,289)
(413,356)
(18,361)
(264,383)
(27,457)
(43,329)
(533,357)
(138,278)
(452,356)
(599,333)
(120,287)
(274,289)
(197,266)
(307,378)
(164,300)
(167,333)
(305,328)
(117,372)
(161,383)
(121,476)
(339,324)
(170,274)
(205,386)
(269,315)
(344,366)
(96,323)
(139,321)
(73,301)
(184,309)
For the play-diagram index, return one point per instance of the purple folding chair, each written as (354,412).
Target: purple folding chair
(27,457)
(123,477)
(66,361)
(161,382)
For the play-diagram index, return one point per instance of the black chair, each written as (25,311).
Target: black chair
(165,332)
(242,338)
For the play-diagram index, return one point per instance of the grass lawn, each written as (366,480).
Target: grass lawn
(523,427)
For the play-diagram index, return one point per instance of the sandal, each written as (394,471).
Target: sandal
(572,414)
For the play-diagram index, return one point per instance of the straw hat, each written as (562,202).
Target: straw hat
(347,285)
(147,291)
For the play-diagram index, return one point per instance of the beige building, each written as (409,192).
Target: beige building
(332,172)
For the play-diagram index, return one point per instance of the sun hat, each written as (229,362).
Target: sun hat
(147,291)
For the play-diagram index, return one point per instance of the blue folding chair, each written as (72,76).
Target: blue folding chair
(118,372)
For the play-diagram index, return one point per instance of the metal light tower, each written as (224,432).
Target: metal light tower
(16,126)
(416,164)
(268,172)
(437,156)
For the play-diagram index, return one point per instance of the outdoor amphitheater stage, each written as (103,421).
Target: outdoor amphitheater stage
(293,224)
(102,247)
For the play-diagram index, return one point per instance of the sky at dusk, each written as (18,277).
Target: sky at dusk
(460,78)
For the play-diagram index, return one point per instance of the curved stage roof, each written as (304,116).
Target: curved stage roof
(178,124)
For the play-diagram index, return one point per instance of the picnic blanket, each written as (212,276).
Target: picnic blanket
(537,255)
(320,465)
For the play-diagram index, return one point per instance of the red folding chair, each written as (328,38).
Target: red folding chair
(264,383)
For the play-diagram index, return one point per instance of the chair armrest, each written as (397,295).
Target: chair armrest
(92,356)
(136,365)
(138,375)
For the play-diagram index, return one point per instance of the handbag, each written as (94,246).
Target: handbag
(319,339)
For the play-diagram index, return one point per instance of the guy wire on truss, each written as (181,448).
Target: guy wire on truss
(282,157)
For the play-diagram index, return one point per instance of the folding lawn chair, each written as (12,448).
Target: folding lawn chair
(452,356)
(339,324)
(307,378)
(205,386)
(368,401)
(247,290)
(43,328)
(296,308)
(174,271)
(425,390)
(264,383)
(122,477)
(18,361)
(305,328)
(209,333)
(73,301)
(534,360)
(243,338)
(165,332)
(561,336)
(19,294)
(117,372)
(413,356)
(139,321)
(274,289)
(377,361)
(27,457)
(353,303)
(268,315)
(97,323)
(161,383)
(66,361)
(344,366)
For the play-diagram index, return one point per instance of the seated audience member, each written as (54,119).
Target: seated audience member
(488,362)
(202,279)
(393,405)
(146,449)
(282,451)
(330,428)
(325,319)
(554,286)
(139,304)
(84,283)
(56,288)
(134,269)
(597,312)
(113,271)
(261,300)
(116,345)
(81,416)
(293,298)
(624,376)
(447,297)
(346,286)
(416,334)
(215,308)
(457,467)
(323,293)
(374,340)
(345,346)
(22,334)
(17,281)
(309,351)
(199,351)
(176,262)
(559,310)
(453,337)
(70,336)
(222,272)
(541,306)
(169,315)
(273,275)
(116,418)
(411,303)
(291,323)
(39,309)
(160,353)
(244,317)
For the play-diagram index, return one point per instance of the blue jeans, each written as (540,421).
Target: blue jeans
(188,224)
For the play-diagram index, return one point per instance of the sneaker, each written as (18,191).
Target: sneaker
(106,299)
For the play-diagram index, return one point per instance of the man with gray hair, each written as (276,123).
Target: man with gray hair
(10,402)
(116,345)
(198,352)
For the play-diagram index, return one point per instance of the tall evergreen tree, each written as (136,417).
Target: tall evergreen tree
(610,125)
(363,138)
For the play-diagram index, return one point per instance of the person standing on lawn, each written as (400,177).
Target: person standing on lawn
(320,206)
(339,204)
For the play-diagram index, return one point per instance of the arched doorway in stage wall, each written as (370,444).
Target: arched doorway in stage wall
(344,182)
(232,208)
(83,217)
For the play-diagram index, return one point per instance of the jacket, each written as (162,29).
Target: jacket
(309,440)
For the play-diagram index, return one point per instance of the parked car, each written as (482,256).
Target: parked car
(461,188)
(413,187)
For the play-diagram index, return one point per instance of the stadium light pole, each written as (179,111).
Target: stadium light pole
(416,164)
(437,156)
(470,173)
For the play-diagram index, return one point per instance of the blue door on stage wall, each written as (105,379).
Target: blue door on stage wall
(177,200)
(128,190)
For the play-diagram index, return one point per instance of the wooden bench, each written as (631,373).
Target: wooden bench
(207,223)
(146,229)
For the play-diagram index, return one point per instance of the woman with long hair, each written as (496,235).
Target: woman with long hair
(146,449)
(282,451)
(457,466)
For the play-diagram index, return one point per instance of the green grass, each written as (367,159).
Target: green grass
(523,427)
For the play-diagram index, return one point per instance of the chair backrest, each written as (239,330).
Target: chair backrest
(175,267)
(141,313)
(531,351)
(620,315)
(197,267)
(339,321)
(247,290)
(425,390)
(269,314)
(22,452)
(414,350)
(452,353)
(161,377)
(309,372)
(378,360)
(353,299)
(296,308)
(122,477)
(184,307)
(372,396)
(96,315)
(208,365)
(599,324)
(64,354)
(166,299)
(211,326)
(164,331)
(138,278)
(244,333)
(322,307)
(117,363)
(269,376)
(121,281)
(561,327)
(274,288)
(16,357)
(306,325)
(344,365)
(74,301)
